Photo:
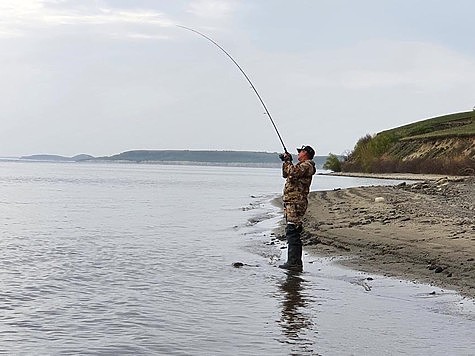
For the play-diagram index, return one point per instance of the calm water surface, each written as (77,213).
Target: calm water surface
(111,259)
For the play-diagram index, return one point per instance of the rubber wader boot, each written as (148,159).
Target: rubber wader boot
(294,252)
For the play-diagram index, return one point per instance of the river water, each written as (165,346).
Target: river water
(111,259)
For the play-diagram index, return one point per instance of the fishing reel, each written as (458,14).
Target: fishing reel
(285,157)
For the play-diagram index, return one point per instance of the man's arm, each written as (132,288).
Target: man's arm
(285,169)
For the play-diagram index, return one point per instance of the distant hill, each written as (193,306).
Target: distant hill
(202,157)
(56,158)
(226,158)
(194,156)
(82,157)
(443,145)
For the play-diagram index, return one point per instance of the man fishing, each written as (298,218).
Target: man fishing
(296,189)
(297,185)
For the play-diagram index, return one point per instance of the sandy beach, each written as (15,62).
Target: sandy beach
(422,232)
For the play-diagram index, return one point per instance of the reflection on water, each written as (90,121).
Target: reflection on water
(293,320)
(296,322)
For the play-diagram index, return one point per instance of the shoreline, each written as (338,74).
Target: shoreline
(422,232)
(394,176)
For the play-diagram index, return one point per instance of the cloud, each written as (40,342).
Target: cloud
(212,9)
(20,18)
(376,65)
(411,64)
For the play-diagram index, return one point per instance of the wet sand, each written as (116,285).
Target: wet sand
(423,231)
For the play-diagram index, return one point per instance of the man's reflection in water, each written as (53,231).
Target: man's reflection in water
(295,321)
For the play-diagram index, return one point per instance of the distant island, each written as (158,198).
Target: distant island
(57,158)
(201,157)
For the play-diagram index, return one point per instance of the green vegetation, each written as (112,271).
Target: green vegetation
(452,125)
(443,145)
(369,148)
(332,163)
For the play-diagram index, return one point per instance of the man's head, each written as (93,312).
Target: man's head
(306,152)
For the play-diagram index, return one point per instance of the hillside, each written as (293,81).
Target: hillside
(194,156)
(246,158)
(453,125)
(217,158)
(443,145)
(57,158)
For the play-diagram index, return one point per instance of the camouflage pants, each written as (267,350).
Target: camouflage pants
(294,212)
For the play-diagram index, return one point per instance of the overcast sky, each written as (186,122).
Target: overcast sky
(107,76)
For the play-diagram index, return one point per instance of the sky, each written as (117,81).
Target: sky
(105,76)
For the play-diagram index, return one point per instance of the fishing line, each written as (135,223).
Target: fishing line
(247,78)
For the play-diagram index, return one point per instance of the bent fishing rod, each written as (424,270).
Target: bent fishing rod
(247,78)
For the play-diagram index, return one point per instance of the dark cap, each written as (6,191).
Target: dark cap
(308,149)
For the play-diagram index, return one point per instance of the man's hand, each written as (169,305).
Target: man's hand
(286,157)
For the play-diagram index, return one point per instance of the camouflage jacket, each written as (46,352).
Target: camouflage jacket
(298,180)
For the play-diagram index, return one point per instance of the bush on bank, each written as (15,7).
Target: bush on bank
(370,155)
(332,163)
(367,151)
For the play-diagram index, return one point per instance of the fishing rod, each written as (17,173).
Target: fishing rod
(245,75)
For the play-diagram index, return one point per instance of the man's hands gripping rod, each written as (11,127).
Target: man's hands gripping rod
(285,157)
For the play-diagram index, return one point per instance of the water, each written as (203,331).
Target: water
(110,259)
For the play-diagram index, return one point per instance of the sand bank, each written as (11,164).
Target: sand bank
(423,231)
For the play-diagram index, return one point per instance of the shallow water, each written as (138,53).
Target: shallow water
(137,259)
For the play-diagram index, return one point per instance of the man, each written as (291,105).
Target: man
(296,189)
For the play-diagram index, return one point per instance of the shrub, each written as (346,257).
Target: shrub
(332,163)
(368,150)
(381,143)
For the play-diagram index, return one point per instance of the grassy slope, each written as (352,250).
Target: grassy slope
(452,125)
(440,145)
